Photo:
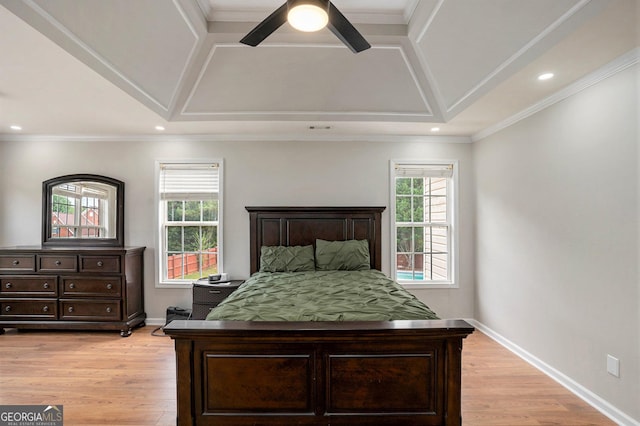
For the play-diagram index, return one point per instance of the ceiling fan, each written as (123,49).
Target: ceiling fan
(308,16)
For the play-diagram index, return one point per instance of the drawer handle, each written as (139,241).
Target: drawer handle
(8,308)
(100,263)
(70,309)
(58,263)
(109,286)
(16,262)
(8,285)
(214,291)
(72,285)
(45,285)
(45,309)
(109,310)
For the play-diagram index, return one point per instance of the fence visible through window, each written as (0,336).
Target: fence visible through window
(192,265)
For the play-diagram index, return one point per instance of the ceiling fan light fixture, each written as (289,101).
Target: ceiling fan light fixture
(308,15)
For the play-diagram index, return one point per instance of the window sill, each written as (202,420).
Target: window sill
(412,285)
(182,285)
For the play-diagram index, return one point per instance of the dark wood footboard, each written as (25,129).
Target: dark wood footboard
(318,373)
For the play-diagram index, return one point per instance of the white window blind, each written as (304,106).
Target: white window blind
(424,170)
(189,182)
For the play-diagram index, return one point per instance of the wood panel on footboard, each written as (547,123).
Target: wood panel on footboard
(319,373)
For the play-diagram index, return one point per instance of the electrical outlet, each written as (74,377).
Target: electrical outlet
(613,366)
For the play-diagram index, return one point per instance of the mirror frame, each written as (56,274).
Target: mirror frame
(47,198)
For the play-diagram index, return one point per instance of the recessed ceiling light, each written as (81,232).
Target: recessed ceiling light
(435,129)
(15,127)
(160,128)
(545,76)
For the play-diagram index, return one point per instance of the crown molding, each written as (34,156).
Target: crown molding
(292,137)
(513,59)
(619,64)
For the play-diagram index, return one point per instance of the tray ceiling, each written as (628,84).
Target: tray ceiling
(431,61)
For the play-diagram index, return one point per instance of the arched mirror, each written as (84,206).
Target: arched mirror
(83,209)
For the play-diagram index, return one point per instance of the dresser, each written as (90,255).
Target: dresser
(83,288)
(207,296)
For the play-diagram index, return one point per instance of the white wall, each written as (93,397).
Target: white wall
(256,173)
(556,244)
(557,231)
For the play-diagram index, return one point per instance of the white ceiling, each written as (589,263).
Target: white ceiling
(96,68)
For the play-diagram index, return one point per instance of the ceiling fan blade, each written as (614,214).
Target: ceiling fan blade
(347,33)
(266,27)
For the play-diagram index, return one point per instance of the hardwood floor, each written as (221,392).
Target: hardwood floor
(103,379)
(499,388)
(99,378)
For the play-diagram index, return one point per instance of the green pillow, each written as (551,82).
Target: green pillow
(349,255)
(286,258)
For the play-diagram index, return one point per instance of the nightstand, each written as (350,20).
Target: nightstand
(207,296)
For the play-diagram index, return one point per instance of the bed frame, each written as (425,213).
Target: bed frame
(318,373)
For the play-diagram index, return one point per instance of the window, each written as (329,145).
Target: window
(423,224)
(190,207)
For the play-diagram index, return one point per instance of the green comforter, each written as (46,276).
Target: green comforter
(321,296)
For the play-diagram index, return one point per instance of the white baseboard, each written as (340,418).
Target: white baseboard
(155,321)
(583,393)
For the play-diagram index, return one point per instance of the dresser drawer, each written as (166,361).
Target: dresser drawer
(25,309)
(89,310)
(57,263)
(211,295)
(208,296)
(18,263)
(100,264)
(70,287)
(28,286)
(200,311)
(91,287)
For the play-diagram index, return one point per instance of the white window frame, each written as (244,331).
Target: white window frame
(452,220)
(160,243)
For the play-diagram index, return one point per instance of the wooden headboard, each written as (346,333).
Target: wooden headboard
(299,226)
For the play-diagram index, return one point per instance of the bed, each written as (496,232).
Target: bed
(345,372)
